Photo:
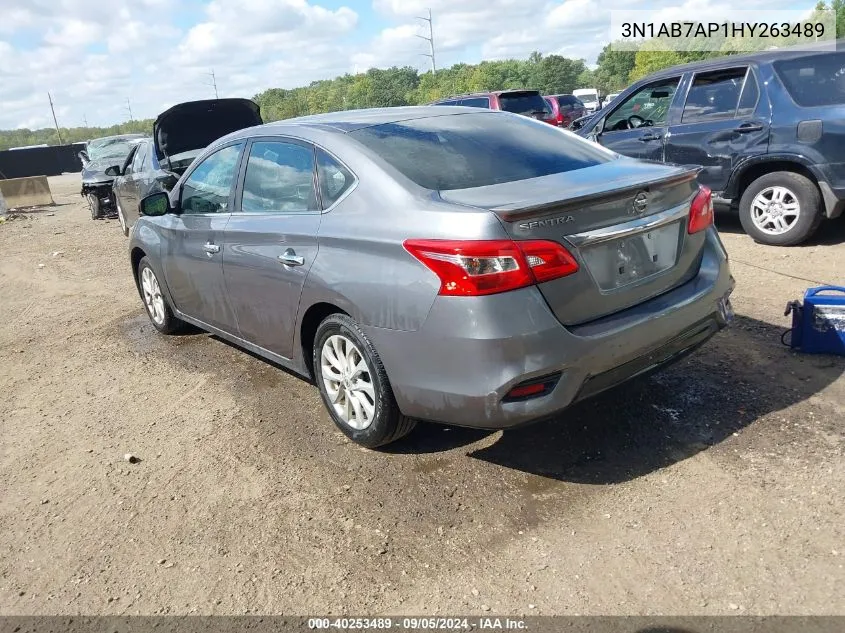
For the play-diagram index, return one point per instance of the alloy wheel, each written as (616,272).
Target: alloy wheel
(152,295)
(348,382)
(775,210)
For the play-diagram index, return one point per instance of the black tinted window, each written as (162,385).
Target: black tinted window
(208,187)
(567,103)
(814,80)
(477,149)
(279,179)
(334,178)
(449,102)
(714,95)
(523,102)
(476,102)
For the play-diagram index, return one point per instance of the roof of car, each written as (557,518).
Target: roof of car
(349,120)
(757,56)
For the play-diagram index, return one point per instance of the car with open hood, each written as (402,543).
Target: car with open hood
(99,154)
(179,135)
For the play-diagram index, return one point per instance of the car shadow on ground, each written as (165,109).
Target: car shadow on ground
(830,232)
(652,422)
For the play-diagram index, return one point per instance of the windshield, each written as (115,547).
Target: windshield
(112,148)
(524,103)
(475,150)
(587,98)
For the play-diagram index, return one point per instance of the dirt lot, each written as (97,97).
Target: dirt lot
(715,487)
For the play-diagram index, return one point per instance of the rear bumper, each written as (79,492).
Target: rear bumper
(471,352)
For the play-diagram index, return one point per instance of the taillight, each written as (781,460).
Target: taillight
(483,267)
(701,211)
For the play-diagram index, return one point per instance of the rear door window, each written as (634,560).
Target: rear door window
(524,103)
(279,178)
(714,95)
(477,149)
(814,80)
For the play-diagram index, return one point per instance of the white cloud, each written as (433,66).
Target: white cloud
(93,56)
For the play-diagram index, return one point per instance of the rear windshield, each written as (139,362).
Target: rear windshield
(462,151)
(523,102)
(814,80)
(568,100)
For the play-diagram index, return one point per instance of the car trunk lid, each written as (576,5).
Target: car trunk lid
(191,126)
(625,222)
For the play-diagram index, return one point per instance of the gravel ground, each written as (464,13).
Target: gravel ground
(712,488)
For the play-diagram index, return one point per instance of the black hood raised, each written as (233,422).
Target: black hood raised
(193,125)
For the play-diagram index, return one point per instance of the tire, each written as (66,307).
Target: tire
(794,191)
(385,422)
(122,219)
(96,208)
(161,316)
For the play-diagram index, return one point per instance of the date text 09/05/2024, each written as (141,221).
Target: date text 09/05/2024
(418,624)
(722,29)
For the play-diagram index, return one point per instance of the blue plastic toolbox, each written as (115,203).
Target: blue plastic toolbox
(818,326)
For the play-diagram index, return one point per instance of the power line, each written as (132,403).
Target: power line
(50,98)
(429,39)
(213,83)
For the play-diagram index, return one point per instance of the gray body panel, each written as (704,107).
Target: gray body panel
(449,359)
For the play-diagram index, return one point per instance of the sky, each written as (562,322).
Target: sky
(99,58)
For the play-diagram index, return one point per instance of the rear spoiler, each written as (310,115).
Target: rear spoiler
(509,213)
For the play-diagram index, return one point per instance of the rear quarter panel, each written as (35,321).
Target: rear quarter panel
(827,152)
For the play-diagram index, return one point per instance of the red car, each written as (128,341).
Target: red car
(565,108)
(526,102)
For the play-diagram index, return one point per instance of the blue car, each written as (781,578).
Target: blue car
(767,129)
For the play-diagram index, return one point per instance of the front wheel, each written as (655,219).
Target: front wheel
(781,209)
(354,385)
(157,307)
(122,219)
(96,208)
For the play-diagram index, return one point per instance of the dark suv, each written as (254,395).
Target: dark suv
(768,130)
(526,102)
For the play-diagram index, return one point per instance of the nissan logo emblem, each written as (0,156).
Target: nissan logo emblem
(640,203)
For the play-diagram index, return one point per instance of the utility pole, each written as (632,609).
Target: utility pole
(129,107)
(429,39)
(50,98)
(213,83)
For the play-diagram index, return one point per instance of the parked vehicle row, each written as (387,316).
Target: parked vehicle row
(767,130)
(463,266)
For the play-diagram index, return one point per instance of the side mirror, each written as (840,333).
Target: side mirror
(155,204)
(83,156)
(114,170)
(577,124)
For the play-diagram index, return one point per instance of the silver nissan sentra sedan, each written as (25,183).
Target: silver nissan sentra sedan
(469,267)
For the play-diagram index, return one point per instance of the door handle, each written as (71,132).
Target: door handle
(749,127)
(650,137)
(290,258)
(211,248)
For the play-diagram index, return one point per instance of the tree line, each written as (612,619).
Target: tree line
(552,74)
